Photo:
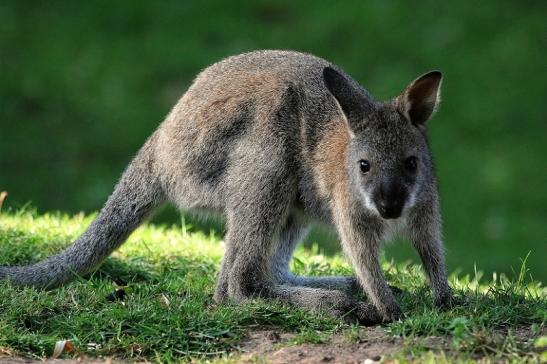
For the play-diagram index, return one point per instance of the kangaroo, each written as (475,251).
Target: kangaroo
(274,140)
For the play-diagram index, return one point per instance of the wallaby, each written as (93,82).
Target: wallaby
(274,140)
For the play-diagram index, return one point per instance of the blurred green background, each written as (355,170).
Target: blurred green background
(82,84)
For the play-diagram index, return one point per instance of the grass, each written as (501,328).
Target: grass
(83,84)
(169,315)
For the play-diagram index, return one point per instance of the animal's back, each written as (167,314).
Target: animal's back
(264,101)
(256,79)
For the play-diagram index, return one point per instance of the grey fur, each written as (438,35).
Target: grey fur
(260,138)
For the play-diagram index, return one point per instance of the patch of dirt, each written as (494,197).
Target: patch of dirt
(372,344)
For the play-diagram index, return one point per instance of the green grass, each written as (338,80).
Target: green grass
(83,84)
(161,264)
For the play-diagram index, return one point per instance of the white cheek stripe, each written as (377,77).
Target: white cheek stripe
(411,200)
(368,203)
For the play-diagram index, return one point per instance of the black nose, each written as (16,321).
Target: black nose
(390,209)
(390,199)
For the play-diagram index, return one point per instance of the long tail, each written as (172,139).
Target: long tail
(137,193)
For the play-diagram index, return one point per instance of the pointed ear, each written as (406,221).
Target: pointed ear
(353,99)
(420,99)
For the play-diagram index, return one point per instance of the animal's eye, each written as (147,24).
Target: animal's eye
(364,165)
(411,164)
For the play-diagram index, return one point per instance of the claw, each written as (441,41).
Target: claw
(446,301)
(367,315)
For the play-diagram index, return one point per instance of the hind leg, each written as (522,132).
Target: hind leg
(290,235)
(246,271)
(221,290)
(251,275)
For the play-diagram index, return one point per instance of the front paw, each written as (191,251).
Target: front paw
(392,313)
(364,314)
(445,301)
(368,315)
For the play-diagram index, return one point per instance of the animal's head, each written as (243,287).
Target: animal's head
(388,157)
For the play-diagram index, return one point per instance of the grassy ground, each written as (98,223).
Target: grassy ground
(168,313)
(83,84)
